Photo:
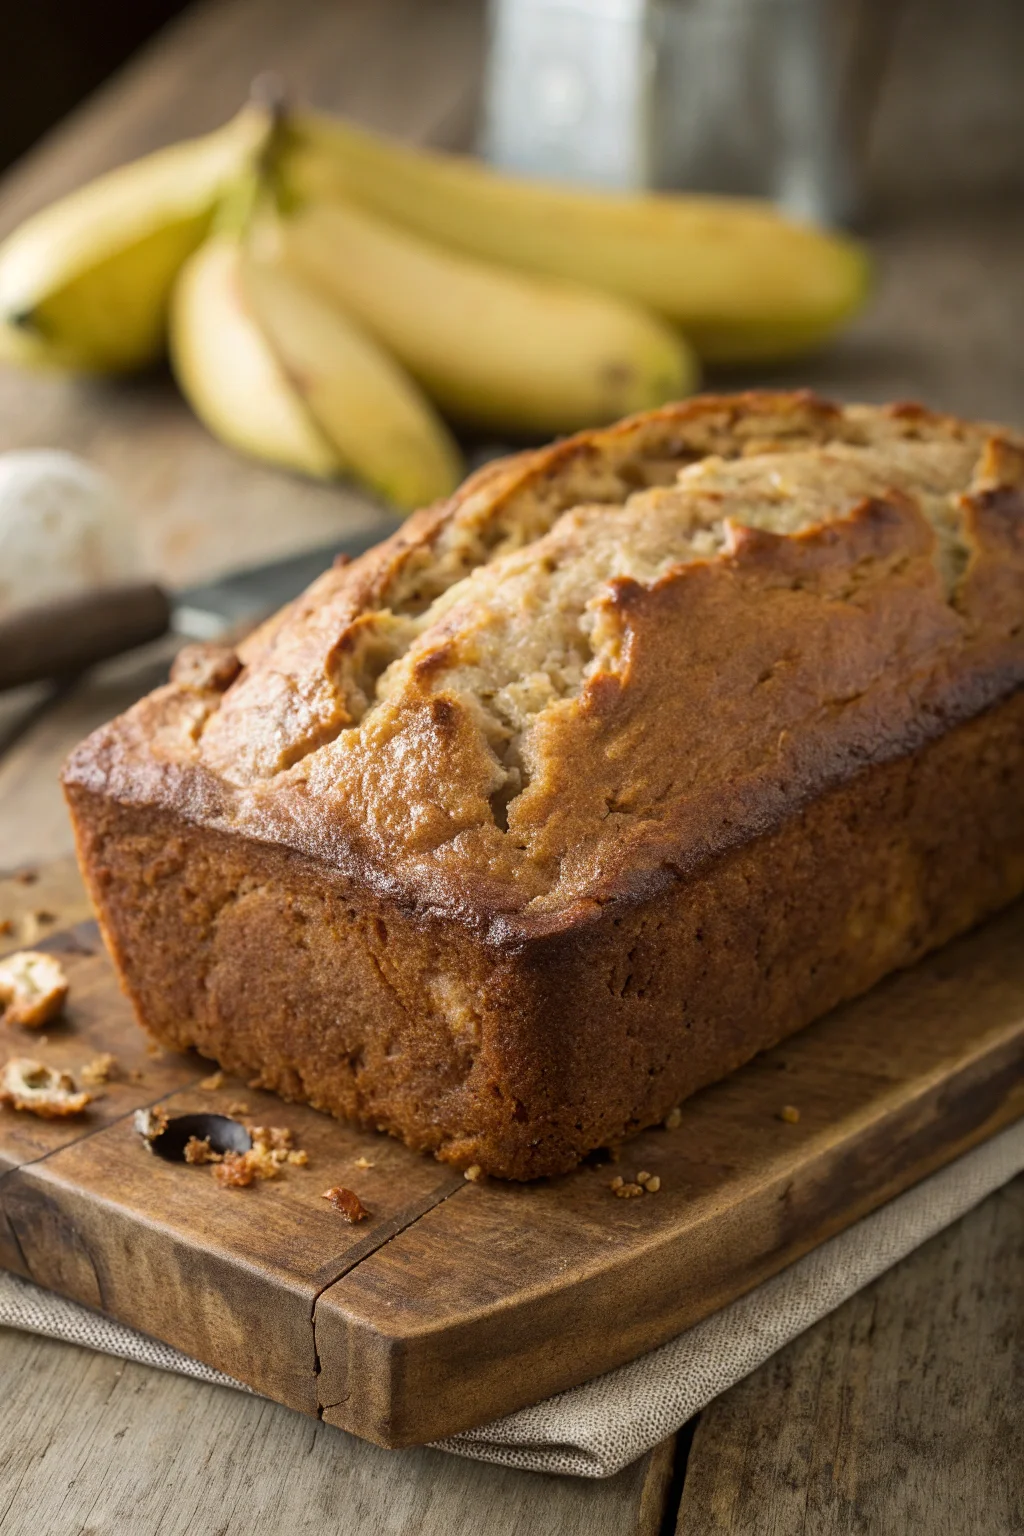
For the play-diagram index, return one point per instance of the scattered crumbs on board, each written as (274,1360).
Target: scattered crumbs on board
(644,1184)
(100,1070)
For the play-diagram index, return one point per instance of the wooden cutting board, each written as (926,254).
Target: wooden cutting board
(455,1302)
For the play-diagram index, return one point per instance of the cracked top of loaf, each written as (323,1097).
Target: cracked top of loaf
(602,663)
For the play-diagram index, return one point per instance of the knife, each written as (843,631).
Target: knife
(63,638)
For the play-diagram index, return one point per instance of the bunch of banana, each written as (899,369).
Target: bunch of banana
(496,348)
(743,282)
(324,291)
(277,371)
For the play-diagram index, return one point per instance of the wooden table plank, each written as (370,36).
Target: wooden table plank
(901,1412)
(398,65)
(92,1444)
(944,322)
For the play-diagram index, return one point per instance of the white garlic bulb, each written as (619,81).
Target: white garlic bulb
(63,529)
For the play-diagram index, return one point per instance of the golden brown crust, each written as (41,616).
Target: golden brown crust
(877,626)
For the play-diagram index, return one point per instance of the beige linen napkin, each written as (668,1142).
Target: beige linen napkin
(598,1428)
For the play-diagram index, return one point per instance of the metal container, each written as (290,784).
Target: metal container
(738,96)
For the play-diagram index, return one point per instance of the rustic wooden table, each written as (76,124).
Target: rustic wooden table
(900,1412)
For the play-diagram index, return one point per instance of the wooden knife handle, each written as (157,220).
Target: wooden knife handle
(64,637)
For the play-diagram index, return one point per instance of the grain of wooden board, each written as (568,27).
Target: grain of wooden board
(456,1302)
(899,1413)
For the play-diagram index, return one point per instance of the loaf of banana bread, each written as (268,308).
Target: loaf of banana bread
(638,754)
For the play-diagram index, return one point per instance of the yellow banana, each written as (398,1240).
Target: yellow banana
(741,280)
(85,283)
(499,349)
(274,370)
(228,372)
(374,415)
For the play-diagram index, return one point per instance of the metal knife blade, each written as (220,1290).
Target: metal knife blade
(65,637)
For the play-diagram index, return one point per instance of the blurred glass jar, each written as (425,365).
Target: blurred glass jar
(758,97)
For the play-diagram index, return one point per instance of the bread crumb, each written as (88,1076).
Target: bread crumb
(276,1138)
(154,1049)
(617,1182)
(26,876)
(234,1172)
(237,1170)
(33,988)
(212,1083)
(652,1184)
(43,917)
(642,1177)
(627,1191)
(238,1107)
(276,1143)
(474,1173)
(198,1150)
(6,927)
(100,1070)
(40,1090)
(674,1119)
(347,1203)
(789,1113)
(363,1162)
(136,1075)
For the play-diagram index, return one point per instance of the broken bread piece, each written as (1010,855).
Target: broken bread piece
(33,988)
(40,1090)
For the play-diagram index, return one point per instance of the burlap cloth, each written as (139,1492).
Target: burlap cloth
(595,1429)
